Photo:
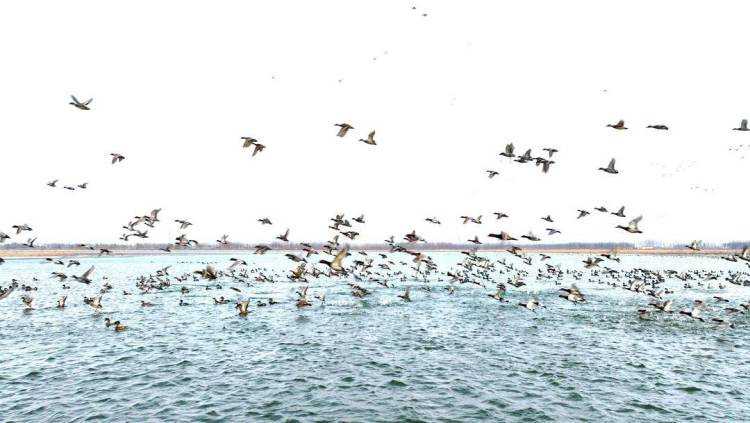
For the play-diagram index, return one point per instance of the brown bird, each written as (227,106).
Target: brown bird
(370,138)
(618,125)
(337,265)
(343,128)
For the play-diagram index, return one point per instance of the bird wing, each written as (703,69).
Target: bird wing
(88,273)
(612,163)
(340,256)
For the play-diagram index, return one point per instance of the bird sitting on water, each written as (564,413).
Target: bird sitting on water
(26,300)
(117,326)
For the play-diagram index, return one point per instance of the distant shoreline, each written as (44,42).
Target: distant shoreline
(36,253)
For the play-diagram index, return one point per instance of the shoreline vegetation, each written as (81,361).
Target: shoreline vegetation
(62,250)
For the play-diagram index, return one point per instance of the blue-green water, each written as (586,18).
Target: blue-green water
(460,357)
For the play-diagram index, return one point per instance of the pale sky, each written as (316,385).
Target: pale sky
(177,83)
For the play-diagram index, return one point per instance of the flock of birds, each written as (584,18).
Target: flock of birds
(365,271)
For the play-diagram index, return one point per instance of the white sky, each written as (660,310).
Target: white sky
(176,83)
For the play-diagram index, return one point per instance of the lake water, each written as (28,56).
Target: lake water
(460,357)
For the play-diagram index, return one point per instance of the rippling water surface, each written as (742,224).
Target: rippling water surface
(460,357)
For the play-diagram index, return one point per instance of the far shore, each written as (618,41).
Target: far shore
(41,252)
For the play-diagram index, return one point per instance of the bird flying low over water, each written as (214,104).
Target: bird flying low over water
(117,157)
(86,277)
(80,105)
(337,265)
(661,127)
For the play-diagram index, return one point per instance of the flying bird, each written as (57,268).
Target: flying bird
(117,157)
(343,129)
(743,126)
(618,125)
(610,168)
(80,105)
(370,139)
(632,226)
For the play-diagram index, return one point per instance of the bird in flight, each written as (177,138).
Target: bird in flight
(116,157)
(610,168)
(80,105)
(370,139)
(619,125)
(632,226)
(743,126)
(343,129)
